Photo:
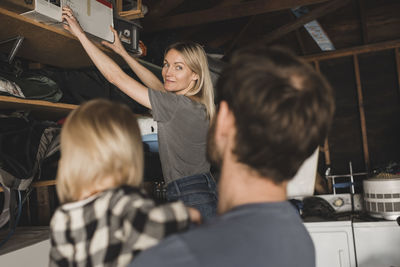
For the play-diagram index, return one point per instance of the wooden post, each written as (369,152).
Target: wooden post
(362,112)
(326,143)
(298,35)
(397,57)
(43,205)
(363,21)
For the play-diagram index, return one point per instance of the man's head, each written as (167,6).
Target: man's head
(281,110)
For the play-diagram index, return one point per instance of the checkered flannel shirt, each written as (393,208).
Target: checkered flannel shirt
(110,228)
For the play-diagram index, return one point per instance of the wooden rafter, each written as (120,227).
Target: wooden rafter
(354,50)
(162,8)
(228,2)
(221,13)
(312,15)
(363,21)
(238,36)
(298,35)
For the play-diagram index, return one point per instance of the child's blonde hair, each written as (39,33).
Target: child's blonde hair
(100,147)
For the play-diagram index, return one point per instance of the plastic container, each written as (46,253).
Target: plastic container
(151,141)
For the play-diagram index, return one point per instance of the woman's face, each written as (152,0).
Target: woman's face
(178,77)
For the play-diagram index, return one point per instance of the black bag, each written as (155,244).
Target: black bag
(36,87)
(24,144)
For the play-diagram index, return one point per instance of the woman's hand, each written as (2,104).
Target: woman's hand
(195,216)
(73,25)
(117,46)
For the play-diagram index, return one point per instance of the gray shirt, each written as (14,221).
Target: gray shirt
(182,134)
(263,234)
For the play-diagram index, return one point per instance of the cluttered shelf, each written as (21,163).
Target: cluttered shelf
(41,108)
(47,44)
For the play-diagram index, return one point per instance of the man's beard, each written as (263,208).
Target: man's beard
(213,155)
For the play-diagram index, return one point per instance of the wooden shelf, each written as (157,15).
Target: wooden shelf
(23,237)
(46,44)
(40,184)
(42,109)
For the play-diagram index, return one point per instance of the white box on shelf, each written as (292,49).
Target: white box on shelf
(95,16)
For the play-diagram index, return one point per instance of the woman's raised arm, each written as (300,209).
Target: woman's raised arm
(144,74)
(111,71)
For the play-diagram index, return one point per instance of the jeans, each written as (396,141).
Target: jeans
(198,191)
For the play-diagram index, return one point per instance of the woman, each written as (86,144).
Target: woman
(182,106)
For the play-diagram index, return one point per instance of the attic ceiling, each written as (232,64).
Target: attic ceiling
(224,25)
(221,26)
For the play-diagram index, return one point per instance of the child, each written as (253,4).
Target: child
(105,219)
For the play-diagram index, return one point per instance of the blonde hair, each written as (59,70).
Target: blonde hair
(196,59)
(100,145)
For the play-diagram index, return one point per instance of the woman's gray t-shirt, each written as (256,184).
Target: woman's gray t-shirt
(182,134)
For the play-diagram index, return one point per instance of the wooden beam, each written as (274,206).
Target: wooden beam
(43,205)
(363,21)
(397,57)
(298,35)
(326,143)
(45,183)
(354,51)
(238,37)
(300,41)
(221,13)
(325,148)
(362,112)
(162,8)
(312,15)
(228,2)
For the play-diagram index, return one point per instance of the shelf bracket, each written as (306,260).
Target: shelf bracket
(17,44)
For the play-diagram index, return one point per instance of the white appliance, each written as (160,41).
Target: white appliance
(333,242)
(382,197)
(377,243)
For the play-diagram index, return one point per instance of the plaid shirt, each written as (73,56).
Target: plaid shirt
(110,228)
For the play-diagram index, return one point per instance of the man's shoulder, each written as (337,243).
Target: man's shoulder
(236,237)
(172,251)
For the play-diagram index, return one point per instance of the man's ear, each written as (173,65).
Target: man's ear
(225,123)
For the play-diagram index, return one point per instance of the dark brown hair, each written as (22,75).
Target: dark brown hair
(282,108)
